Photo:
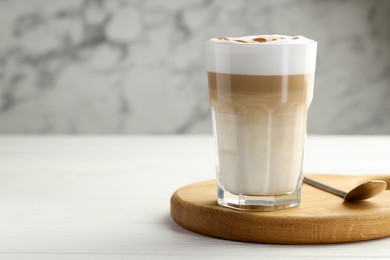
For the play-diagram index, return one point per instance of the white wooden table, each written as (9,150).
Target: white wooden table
(108,197)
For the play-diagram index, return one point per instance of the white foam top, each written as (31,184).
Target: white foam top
(262,55)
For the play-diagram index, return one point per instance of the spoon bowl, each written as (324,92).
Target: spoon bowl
(366,190)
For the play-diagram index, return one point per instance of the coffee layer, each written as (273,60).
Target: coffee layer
(232,92)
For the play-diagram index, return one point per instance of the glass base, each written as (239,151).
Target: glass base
(259,203)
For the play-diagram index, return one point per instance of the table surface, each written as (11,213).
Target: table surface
(107,197)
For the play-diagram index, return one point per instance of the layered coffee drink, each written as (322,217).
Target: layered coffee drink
(260,90)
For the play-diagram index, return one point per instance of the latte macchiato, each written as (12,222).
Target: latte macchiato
(260,90)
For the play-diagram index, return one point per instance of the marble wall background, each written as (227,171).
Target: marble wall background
(107,66)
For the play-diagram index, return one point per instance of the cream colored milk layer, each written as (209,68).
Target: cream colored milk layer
(260,93)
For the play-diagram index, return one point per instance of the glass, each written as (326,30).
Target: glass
(260,95)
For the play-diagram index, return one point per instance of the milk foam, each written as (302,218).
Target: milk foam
(262,55)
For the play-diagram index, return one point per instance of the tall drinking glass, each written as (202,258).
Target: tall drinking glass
(260,90)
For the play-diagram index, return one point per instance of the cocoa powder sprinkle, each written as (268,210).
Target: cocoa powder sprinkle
(223,38)
(240,41)
(259,39)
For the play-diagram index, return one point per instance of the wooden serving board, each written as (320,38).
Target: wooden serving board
(322,217)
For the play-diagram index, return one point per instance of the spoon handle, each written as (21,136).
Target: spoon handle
(324,187)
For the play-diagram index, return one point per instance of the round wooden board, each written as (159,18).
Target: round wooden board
(322,217)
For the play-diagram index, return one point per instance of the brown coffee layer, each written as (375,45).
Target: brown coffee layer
(230,92)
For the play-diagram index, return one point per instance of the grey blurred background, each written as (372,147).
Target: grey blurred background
(137,67)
